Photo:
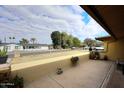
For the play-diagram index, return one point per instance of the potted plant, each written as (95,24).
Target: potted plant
(97,55)
(18,82)
(3,56)
(59,71)
(74,60)
(105,57)
(92,55)
(15,82)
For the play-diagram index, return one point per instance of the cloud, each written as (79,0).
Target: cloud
(40,21)
(93,29)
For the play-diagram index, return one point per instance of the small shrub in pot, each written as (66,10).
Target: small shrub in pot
(74,60)
(15,82)
(97,55)
(92,55)
(3,56)
(59,71)
(18,82)
(105,57)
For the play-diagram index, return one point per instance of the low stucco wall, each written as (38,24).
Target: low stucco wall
(102,54)
(34,72)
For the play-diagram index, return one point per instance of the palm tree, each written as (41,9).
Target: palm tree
(10,39)
(13,39)
(33,40)
(5,39)
(0,41)
(24,42)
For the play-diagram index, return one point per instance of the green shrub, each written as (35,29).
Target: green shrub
(74,60)
(97,55)
(15,82)
(18,82)
(92,55)
(3,53)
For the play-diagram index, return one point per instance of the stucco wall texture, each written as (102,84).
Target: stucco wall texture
(31,71)
(115,49)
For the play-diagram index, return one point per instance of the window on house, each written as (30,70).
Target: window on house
(7,47)
(16,47)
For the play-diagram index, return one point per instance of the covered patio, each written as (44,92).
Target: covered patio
(110,17)
(42,73)
(88,74)
(96,73)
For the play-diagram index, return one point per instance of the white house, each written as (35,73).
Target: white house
(36,47)
(10,46)
(13,46)
(98,48)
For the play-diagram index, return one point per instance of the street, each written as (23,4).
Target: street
(34,56)
(33,52)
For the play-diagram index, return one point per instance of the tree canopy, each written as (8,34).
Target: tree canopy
(33,40)
(24,42)
(90,42)
(70,41)
(76,42)
(56,39)
(64,40)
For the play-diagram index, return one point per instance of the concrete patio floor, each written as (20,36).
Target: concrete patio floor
(117,80)
(88,74)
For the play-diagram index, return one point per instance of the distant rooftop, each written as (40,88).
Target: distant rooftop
(2,44)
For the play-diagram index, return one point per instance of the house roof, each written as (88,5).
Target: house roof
(109,17)
(3,44)
(105,38)
(37,45)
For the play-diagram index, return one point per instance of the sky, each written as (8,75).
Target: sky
(40,21)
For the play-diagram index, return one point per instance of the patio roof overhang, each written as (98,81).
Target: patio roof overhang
(111,18)
(106,38)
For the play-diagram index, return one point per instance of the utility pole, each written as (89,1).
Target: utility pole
(5,39)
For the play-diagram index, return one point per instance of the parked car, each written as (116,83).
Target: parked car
(73,48)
